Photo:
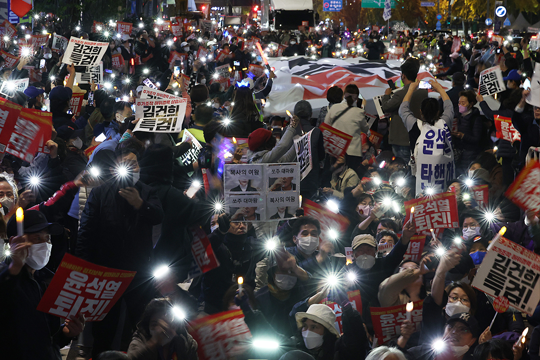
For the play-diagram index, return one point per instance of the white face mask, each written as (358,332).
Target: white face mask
(365,262)
(47,55)
(471,173)
(136,177)
(456,308)
(307,244)
(38,255)
(120,118)
(460,350)
(311,339)
(285,282)
(212,228)
(78,143)
(186,48)
(165,341)
(7,203)
(364,210)
(469,233)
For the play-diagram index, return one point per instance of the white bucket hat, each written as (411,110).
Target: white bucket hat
(321,314)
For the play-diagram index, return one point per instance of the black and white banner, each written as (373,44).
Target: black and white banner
(81,52)
(59,43)
(491,81)
(160,115)
(92,73)
(303,153)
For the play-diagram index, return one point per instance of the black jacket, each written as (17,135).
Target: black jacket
(26,333)
(113,234)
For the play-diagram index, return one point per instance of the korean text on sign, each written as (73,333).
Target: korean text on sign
(505,129)
(202,251)
(415,248)
(524,191)
(512,271)
(329,220)
(356,301)
(160,115)
(221,336)
(303,153)
(335,142)
(491,81)
(80,287)
(387,321)
(434,212)
(84,52)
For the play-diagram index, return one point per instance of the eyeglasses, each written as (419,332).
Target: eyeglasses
(455,299)
(470,227)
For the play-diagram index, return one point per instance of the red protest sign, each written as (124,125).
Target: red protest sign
(175,55)
(75,103)
(351,44)
(415,248)
(434,212)
(8,117)
(80,287)
(329,220)
(39,40)
(356,301)
(201,53)
(525,190)
(221,336)
(46,129)
(501,304)
(95,26)
(222,55)
(9,60)
(387,320)
(9,30)
(256,70)
(117,61)
(176,30)
(124,27)
(336,142)
(375,28)
(505,129)
(25,137)
(375,139)
(481,195)
(202,250)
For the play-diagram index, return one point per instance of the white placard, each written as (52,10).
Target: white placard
(160,115)
(59,43)
(9,87)
(303,153)
(81,52)
(246,207)
(149,93)
(281,205)
(282,177)
(92,73)
(491,81)
(534,96)
(244,179)
(192,154)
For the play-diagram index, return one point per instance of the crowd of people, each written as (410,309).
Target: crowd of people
(126,199)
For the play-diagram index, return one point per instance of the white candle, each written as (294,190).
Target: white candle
(409,308)
(497,237)
(20,217)
(240,282)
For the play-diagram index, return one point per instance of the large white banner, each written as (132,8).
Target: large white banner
(84,52)
(534,96)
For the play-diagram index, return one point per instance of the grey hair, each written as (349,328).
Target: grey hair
(13,187)
(382,352)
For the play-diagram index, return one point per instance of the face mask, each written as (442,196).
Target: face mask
(293,42)
(120,118)
(375,40)
(307,244)
(215,105)
(285,282)
(471,173)
(38,255)
(456,308)
(78,143)
(136,177)
(212,228)
(462,109)
(460,350)
(515,48)
(311,339)
(47,56)
(364,210)
(365,262)
(7,203)
(468,233)
(165,341)
(186,48)
(478,257)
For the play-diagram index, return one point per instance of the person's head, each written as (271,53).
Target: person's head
(365,203)
(334,95)
(397,164)
(513,80)
(238,227)
(385,353)
(429,110)
(261,139)
(387,237)
(211,129)
(244,106)
(317,326)
(199,93)
(350,94)
(127,155)
(364,248)
(158,310)
(59,98)
(303,110)
(467,99)
(203,114)
(387,224)
(510,63)
(35,97)
(461,298)
(409,70)
(494,349)
(461,331)
(306,231)
(122,110)
(485,160)
(8,194)
(458,79)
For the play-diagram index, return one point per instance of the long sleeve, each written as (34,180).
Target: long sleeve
(390,289)
(490,114)
(407,115)
(476,135)
(86,240)
(264,92)
(354,342)
(59,204)
(281,148)
(151,210)
(138,350)
(448,114)
(391,103)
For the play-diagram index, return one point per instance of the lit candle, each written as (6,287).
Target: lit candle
(433,234)
(288,113)
(497,237)
(20,217)
(234,140)
(412,213)
(523,336)
(240,282)
(300,198)
(409,308)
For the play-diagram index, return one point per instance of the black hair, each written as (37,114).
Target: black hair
(494,349)
(131,145)
(470,95)
(120,106)
(387,233)
(244,107)
(214,87)
(410,68)
(211,129)
(486,160)
(203,114)
(389,224)
(155,307)
(329,341)
(511,101)
(334,95)
(305,220)
(430,110)
(199,93)
(511,63)
(112,355)
(467,289)
(351,89)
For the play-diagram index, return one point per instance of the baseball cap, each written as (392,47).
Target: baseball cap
(466,319)
(33,92)
(125,37)
(34,221)
(363,239)
(513,75)
(60,93)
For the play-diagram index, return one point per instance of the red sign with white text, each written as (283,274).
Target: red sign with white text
(256,70)
(27,133)
(356,301)
(524,191)
(481,195)
(124,28)
(8,117)
(329,220)
(505,129)
(80,287)
(117,61)
(9,60)
(336,142)
(202,250)
(387,320)
(434,212)
(415,248)
(75,103)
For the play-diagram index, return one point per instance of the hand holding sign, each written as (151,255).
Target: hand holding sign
(74,326)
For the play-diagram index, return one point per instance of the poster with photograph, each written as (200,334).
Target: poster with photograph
(246,207)
(244,179)
(282,177)
(281,205)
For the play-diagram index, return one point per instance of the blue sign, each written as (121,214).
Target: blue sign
(489,21)
(500,11)
(438,26)
(439,16)
(506,22)
(332,5)
(427,4)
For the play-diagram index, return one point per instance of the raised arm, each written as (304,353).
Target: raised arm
(405,112)
(448,107)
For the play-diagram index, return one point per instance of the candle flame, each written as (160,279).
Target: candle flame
(19,214)
(288,113)
(409,307)
(525,332)
(234,140)
(412,210)
(501,232)
(240,280)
